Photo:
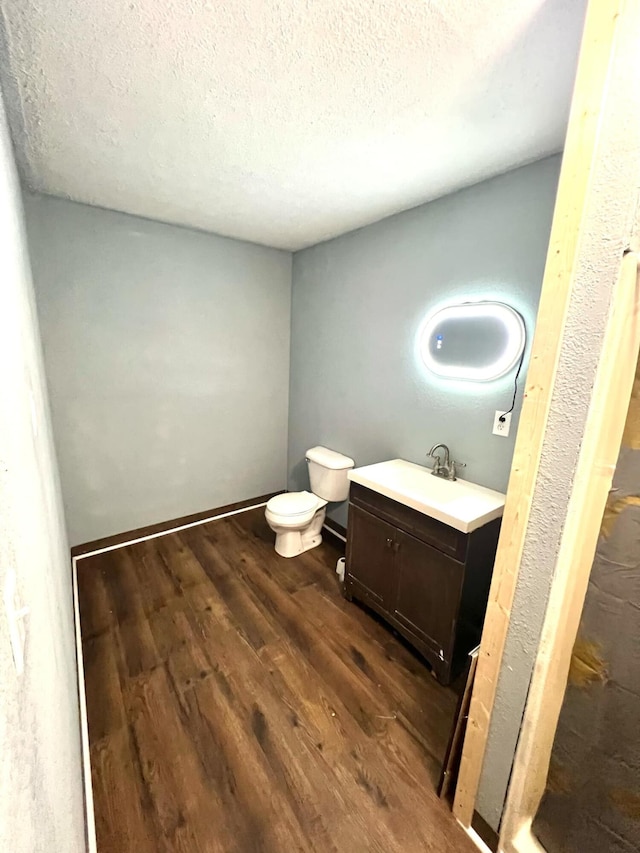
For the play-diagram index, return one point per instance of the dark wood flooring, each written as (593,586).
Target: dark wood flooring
(237,703)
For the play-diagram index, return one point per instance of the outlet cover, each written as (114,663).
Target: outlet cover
(502,427)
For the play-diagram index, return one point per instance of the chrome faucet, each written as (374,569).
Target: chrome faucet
(445,468)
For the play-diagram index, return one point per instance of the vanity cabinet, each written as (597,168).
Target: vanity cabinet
(428,580)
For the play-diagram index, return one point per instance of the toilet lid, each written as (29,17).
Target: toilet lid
(292,503)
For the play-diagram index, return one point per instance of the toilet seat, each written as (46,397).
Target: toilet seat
(292,503)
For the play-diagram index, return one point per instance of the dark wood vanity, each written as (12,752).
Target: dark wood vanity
(428,580)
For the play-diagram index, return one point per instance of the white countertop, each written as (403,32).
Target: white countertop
(462,505)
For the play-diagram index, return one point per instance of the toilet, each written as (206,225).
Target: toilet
(297,517)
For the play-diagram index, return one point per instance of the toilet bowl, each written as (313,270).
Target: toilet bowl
(297,517)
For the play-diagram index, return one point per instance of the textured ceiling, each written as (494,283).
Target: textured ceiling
(284,122)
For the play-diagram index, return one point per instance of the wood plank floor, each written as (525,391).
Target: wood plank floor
(237,703)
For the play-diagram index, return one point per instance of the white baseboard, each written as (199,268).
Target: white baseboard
(473,835)
(167,532)
(92,844)
(333,532)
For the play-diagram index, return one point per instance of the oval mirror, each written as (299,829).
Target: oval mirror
(477,341)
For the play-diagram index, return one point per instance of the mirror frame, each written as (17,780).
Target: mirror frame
(516,336)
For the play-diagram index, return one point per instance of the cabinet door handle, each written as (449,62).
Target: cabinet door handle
(396,546)
(389,542)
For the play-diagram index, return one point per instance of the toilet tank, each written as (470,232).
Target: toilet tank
(328,473)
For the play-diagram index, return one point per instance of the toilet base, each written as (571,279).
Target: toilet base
(292,543)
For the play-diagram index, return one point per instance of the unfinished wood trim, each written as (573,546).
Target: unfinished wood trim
(89,805)
(559,279)
(592,483)
(451,761)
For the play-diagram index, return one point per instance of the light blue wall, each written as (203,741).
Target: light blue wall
(41,791)
(167,354)
(358,302)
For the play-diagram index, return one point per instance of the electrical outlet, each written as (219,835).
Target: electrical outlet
(502,427)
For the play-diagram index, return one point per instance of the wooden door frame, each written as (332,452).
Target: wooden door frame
(601,46)
(592,485)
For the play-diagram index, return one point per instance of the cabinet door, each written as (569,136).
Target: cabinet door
(428,594)
(371,556)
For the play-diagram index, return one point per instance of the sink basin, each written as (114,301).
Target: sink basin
(460,504)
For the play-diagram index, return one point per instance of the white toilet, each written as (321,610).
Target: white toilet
(297,517)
